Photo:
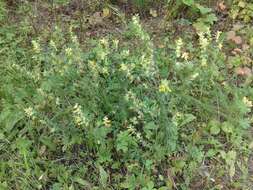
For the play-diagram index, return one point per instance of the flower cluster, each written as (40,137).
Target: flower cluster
(204,42)
(164,87)
(79,116)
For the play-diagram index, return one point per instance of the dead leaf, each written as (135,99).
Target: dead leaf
(237,40)
(230,35)
(96,19)
(237,27)
(161,46)
(243,71)
(170,181)
(245,47)
(237,51)
(222,6)
(42,150)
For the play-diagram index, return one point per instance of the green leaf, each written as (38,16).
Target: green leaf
(103,176)
(244,123)
(9,118)
(149,128)
(2,136)
(211,152)
(214,127)
(227,127)
(203,10)
(48,142)
(211,18)
(163,188)
(23,144)
(188,2)
(3,186)
(215,130)
(231,155)
(82,181)
(124,140)
(56,186)
(200,26)
(187,118)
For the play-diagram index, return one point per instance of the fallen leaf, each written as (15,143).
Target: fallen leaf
(42,150)
(243,71)
(236,51)
(161,45)
(222,6)
(245,47)
(96,19)
(97,14)
(237,27)
(230,35)
(237,40)
(170,182)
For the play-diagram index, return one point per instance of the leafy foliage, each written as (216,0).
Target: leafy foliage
(243,10)
(121,112)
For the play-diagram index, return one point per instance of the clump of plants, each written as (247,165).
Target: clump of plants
(242,9)
(123,114)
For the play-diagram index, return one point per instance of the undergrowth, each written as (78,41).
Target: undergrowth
(123,114)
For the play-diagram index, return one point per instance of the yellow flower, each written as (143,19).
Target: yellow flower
(153,12)
(194,76)
(68,51)
(57,101)
(79,116)
(218,34)
(104,42)
(203,39)
(247,102)
(74,39)
(203,62)
(36,46)
(220,46)
(179,45)
(123,67)
(107,122)
(29,111)
(106,12)
(116,43)
(52,44)
(185,56)
(164,87)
